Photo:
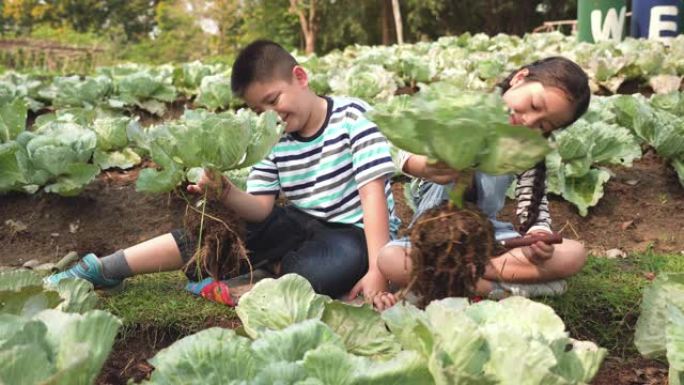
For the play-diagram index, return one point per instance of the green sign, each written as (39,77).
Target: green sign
(599,20)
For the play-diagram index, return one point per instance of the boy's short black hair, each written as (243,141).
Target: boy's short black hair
(261,60)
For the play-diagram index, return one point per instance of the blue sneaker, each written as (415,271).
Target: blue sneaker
(90,269)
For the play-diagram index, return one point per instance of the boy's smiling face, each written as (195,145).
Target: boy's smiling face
(290,99)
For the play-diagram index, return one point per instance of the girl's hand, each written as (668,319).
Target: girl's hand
(373,285)
(384,300)
(440,173)
(214,184)
(538,252)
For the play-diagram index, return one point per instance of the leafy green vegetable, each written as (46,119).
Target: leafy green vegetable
(219,142)
(463,129)
(296,341)
(660,327)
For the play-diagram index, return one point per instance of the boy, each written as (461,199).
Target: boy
(332,164)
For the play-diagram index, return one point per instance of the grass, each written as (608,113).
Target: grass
(601,305)
(602,302)
(159,302)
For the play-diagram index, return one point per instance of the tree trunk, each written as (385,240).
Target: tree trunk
(308,23)
(385,26)
(397,21)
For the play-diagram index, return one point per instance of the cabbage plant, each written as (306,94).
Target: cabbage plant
(26,87)
(660,327)
(295,336)
(56,156)
(216,142)
(51,335)
(147,88)
(661,129)
(187,77)
(12,119)
(572,166)
(72,91)
(467,130)
(215,93)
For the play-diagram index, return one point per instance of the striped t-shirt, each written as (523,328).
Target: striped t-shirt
(321,175)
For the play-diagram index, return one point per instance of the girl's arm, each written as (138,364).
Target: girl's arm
(530,193)
(530,200)
(418,166)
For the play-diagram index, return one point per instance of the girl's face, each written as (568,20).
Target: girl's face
(537,106)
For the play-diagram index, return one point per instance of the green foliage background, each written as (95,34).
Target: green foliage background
(160,31)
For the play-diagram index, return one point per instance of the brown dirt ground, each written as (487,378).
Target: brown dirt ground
(128,359)
(643,208)
(109,215)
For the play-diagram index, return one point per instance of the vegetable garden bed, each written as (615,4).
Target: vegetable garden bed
(642,211)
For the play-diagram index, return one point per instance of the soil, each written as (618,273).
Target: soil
(638,371)
(128,359)
(642,210)
(107,216)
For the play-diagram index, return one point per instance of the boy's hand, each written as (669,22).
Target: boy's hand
(538,252)
(373,285)
(214,184)
(440,173)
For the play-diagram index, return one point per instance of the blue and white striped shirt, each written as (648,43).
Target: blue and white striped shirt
(321,175)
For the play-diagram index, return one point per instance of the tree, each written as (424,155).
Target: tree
(268,19)
(226,14)
(349,22)
(179,36)
(396,11)
(308,21)
(385,21)
(23,14)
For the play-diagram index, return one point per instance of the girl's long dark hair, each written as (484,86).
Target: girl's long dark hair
(569,77)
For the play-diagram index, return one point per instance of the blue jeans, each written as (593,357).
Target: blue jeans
(491,197)
(331,256)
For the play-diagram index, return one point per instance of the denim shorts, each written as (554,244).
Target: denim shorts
(490,196)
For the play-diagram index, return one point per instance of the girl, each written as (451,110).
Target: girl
(546,95)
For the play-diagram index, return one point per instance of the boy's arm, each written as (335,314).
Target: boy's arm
(252,208)
(375,219)
(376,229)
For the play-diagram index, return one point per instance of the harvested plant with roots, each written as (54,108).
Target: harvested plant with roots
(450,249)
(218,235)
(468,131)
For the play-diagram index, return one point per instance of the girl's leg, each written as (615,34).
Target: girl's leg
(394,263)
(567,260)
